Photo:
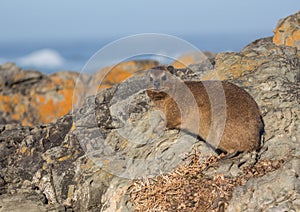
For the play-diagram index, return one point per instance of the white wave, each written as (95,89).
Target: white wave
(42,58)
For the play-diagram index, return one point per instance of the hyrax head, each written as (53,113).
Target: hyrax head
(159,79)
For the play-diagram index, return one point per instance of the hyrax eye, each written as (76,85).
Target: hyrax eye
(164,78)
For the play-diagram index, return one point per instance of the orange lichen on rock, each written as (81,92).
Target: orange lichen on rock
(287,31)
(45,108)
(5,102)
(235,65)
(30,98)
(108,76)
(191,58)
(111,75)
(232,65)
(58,100)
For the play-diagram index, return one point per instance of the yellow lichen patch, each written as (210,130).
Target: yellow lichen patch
(232,66)
(114,76)
(5,103)
(65,80)
(278,35)
(64,158)
(290,41)
(26,122)
(44,108)
(287,31)
(68,201)
(44,167)
(15,99)
(23,149)
(86,166)
(65,105)
(117,75)
(55,105)
(106,162)
(29,153)
(277,39)
(48,159)
(19,112)
(296,35)
(103,86)
(73,127)
(183,62)
(108,76)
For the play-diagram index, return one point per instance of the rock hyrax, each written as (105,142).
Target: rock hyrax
(217,102)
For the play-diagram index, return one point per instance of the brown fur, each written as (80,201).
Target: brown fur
(243,125)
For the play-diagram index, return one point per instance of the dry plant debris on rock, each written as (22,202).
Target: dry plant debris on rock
(188,189)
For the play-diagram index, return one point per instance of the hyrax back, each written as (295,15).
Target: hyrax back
(229,119)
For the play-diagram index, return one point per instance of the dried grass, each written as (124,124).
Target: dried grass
(188,189)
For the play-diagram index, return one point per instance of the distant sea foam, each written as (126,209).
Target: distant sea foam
(48,58)
(45,60)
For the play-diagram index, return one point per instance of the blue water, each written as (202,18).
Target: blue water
(73,53)
(52,56)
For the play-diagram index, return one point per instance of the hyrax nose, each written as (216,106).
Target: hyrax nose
(156,84)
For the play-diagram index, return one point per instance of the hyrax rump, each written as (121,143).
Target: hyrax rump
(229,118)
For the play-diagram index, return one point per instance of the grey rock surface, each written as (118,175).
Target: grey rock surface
(86,161)
(276,191)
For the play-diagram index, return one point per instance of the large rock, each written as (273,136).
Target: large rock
(30,97)
(287,31)
(117,73)
(276,191)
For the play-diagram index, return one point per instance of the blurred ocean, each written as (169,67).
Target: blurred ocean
(52,56)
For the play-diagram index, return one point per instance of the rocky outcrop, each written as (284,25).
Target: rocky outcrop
(287,31)
(112,75)
(30,97)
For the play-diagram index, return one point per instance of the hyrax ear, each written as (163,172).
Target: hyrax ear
(149,76)
(170,69)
